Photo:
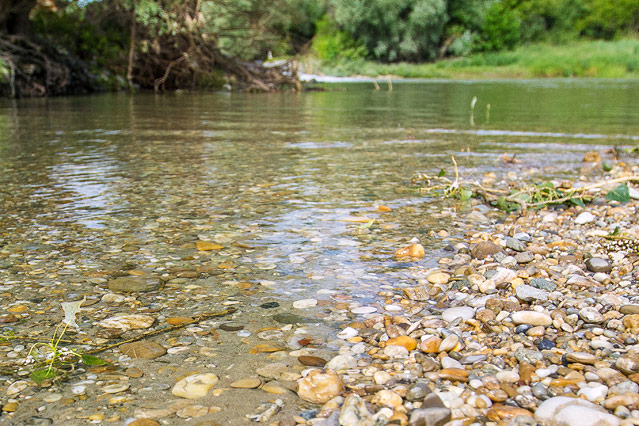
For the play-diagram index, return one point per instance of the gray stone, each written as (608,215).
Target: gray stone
(524,257)
(528,355)
(354,412)
(437,416)
(529,293)
(515,244)
(134,284)
(591,315)
(597,264)
(418,391)
(543,284)
(522,236)
(565,411)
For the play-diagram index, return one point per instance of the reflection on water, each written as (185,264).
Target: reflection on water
(277,172)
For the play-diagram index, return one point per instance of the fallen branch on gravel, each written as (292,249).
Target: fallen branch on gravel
(528,196)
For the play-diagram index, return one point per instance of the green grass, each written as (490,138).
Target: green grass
(603,59)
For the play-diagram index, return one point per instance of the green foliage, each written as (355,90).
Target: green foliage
(621,193)
(500,29)
(332,45)
(610,18)
(394,30)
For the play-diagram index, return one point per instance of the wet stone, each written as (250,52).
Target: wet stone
(231,327)
(287,318)
(145,349)
(597,264)
(134,284)
(418,392)
(311,361)
(629,309)
(545,344)
(269,305)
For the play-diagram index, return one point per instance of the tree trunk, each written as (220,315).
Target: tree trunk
(14,16)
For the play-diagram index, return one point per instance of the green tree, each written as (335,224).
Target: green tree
(394,30)
(610,18)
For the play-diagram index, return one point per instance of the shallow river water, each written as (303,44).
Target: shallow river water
(93,188)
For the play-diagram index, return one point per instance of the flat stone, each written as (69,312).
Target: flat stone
(145,349)
(438,277)
(128,322)
(248,383)
(565,411)
(628,363)
(531,317)
(629,309)
(341,362)
(465,312)
(134,284)
(407,342)
(435,416)
(311,361)
(528,355)
(287,318)
(305,303)
(543,284)
(581,357)
(115,388)
(194,386)
(597,264)
(525,257)
(354,412)
(418,293)
(529,293)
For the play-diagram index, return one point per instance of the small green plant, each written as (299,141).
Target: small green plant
(49,357)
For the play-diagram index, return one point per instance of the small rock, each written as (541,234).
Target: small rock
(629,309)
(525,257)
(132,284)
(305,303)
(17,387)
(531,317)
(355,413)
(543,284)
(464,312)
(145,349)
(597,264)
(194,386)
(436,416)
(565,411)
(417,392)
(128,322)
(311,361)
(529,293)
(319,387)
(115,388)
(585,217)
(10,407)
(249,383)
(591,315)
(528,355)
(629,400)
(448,343)
(412,252)
(515,244)
(438,277)
(628,363)
(582,357)
(387,398)
(484,249)
(407,342)
(341,362)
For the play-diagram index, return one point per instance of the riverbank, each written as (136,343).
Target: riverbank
(592,59)
(518,318)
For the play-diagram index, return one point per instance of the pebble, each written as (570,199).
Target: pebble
(529,293)
(463,312)
(248,383)
(319,387)
(128,322)
(194,386)
(134,284)
(484,249)
(515,244)
(341,362)
(585,217)
(596,264)
(364,310)
(566,411)
(305,303)
(145,349)
(532,318)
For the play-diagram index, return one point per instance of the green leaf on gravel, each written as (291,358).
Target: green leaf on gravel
(578,202)
(92,360)
(465,194)
(441,173)
(620,193)
(40,376)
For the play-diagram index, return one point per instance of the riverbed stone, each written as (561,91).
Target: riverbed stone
(131,284)
(565,411)
(484,249)
(319,386)
(145,349)
(463,312)
(597,264)
(195,386)
(529,293)
(532,318)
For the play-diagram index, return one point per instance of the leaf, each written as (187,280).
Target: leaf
(465,194)
(92,360)
(367,224)
(578,202)
(502,204)
(441,173)
(70,310)
(40,376)
(620,193)
(615,232)
(606,167)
